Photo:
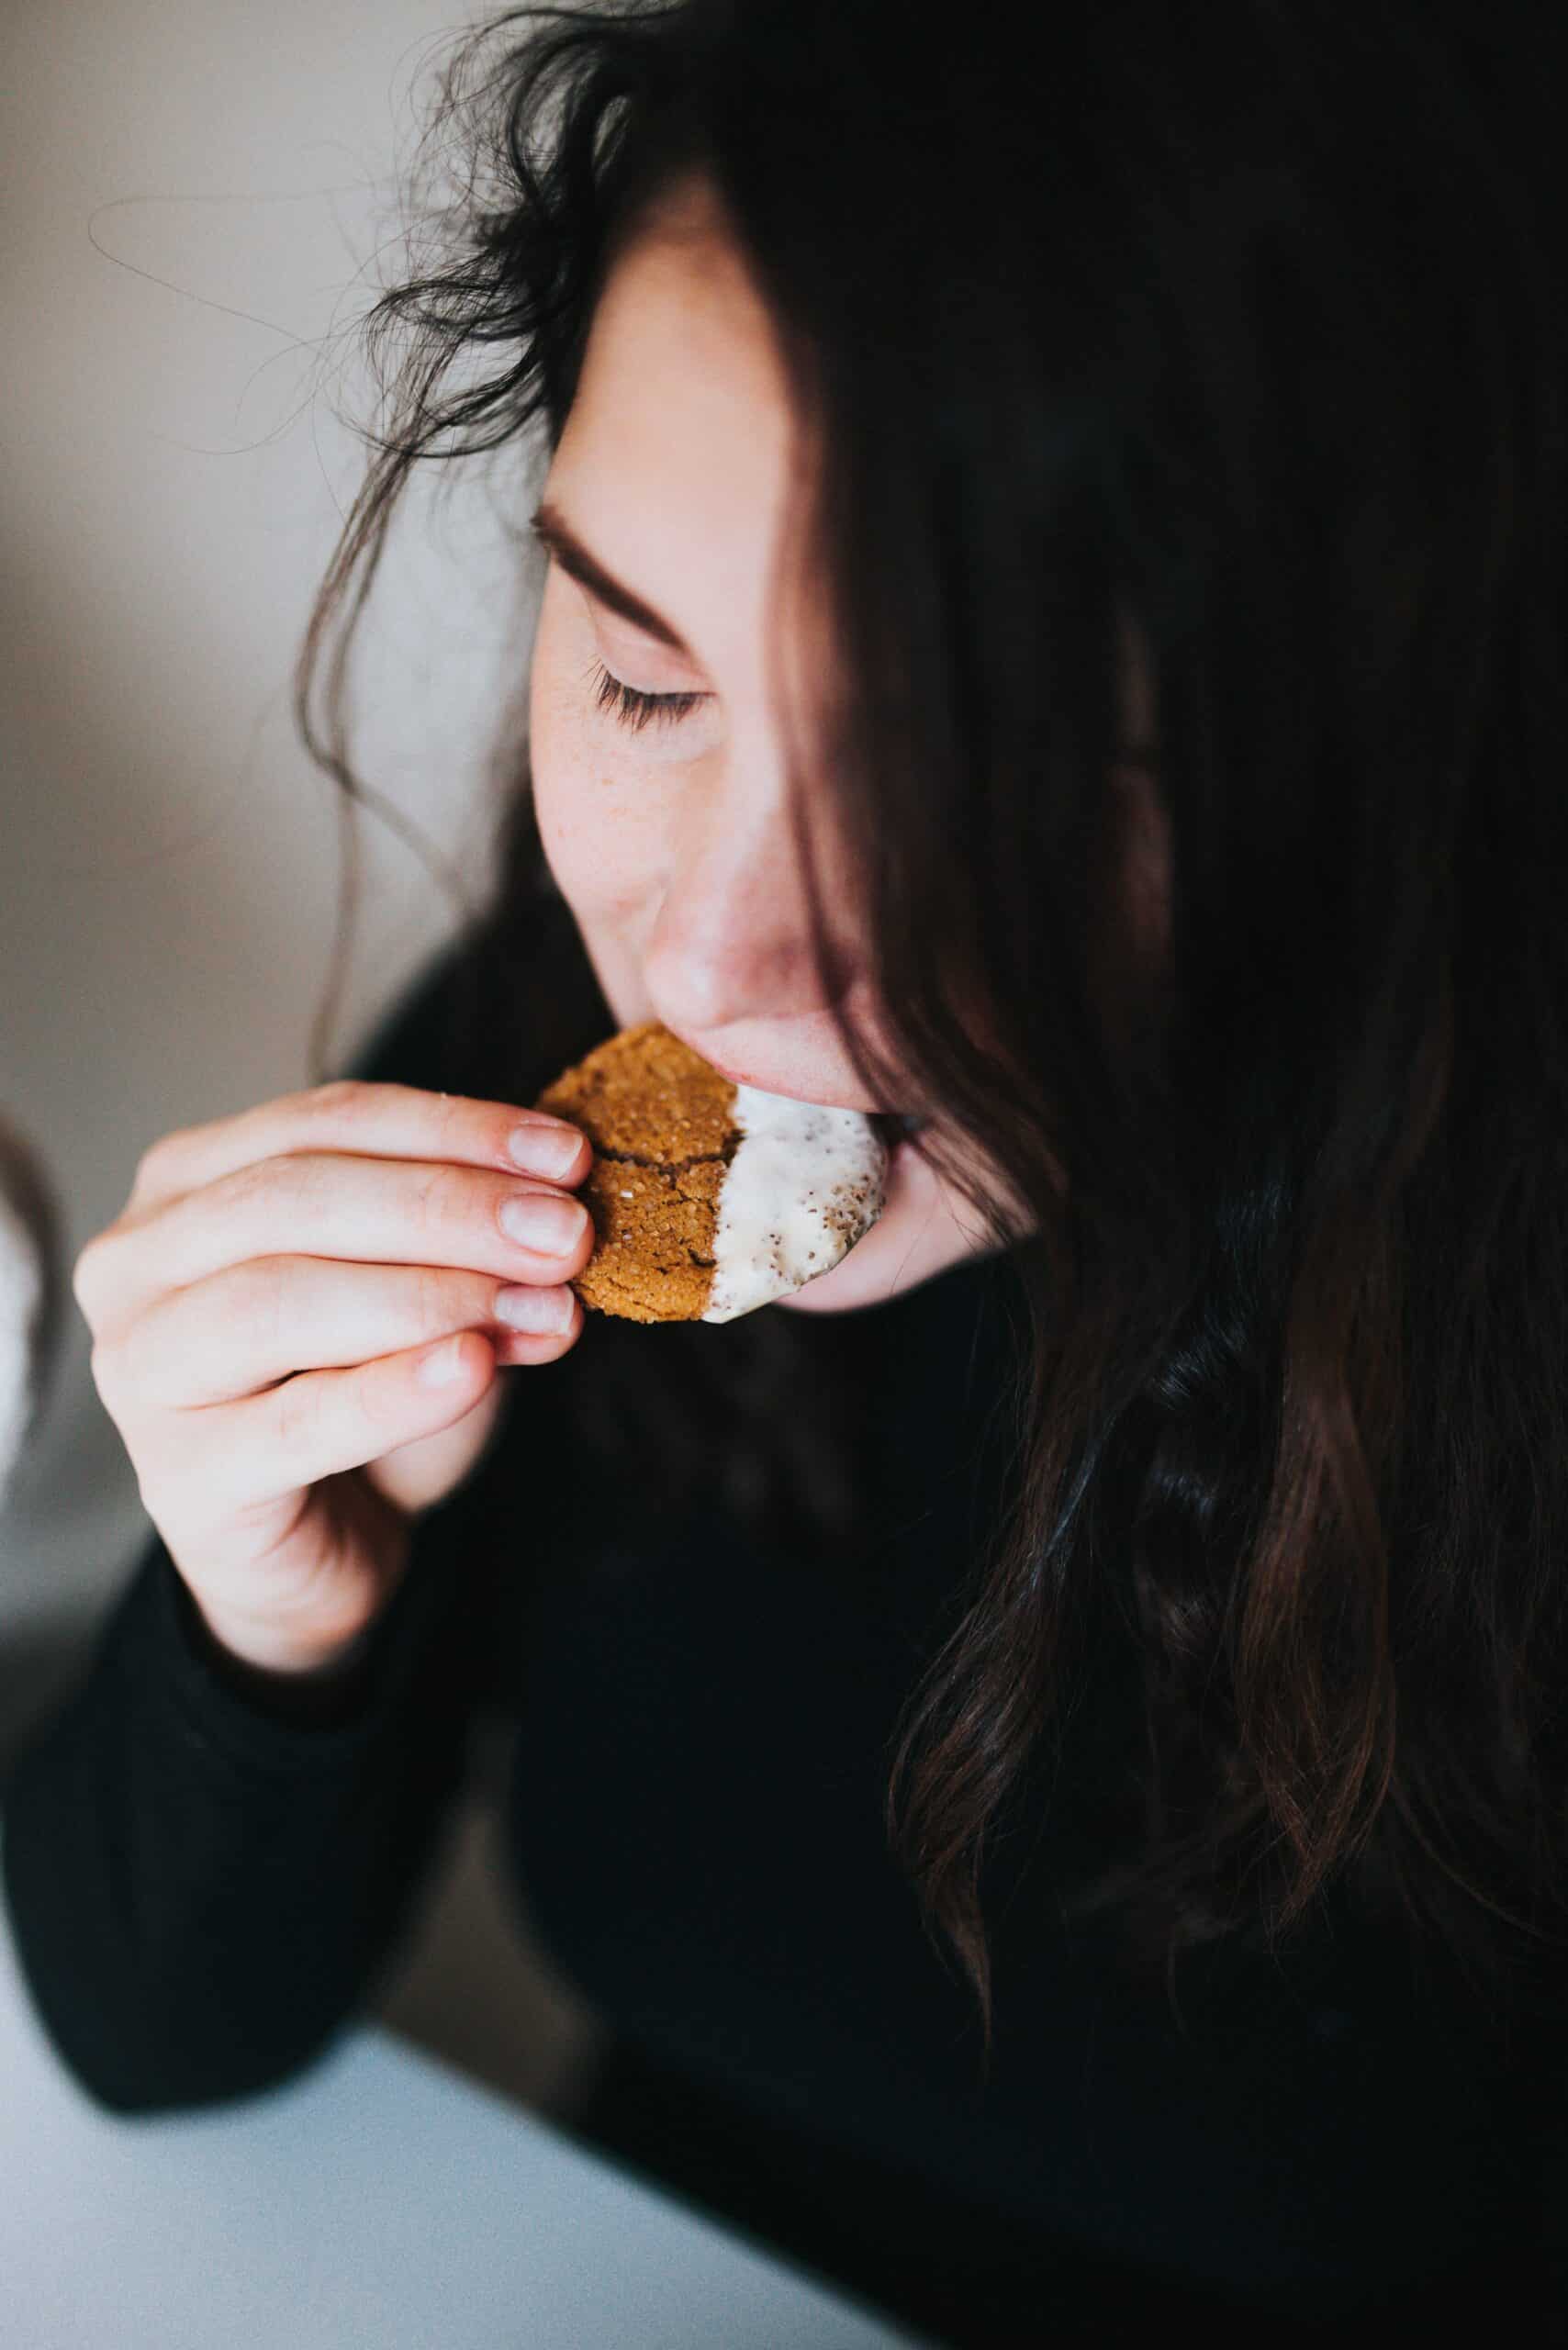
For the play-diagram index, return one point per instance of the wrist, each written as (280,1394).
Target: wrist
(322,1691)
(268,1660)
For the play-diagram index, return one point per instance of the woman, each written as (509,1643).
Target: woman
(1047,1747)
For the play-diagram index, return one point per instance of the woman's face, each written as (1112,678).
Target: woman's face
(671,841)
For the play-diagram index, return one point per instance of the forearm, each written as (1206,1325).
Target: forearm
(204,1873)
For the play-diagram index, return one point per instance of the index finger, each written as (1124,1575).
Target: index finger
(370,1120)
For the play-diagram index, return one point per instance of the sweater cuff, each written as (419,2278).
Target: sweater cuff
(226,1709)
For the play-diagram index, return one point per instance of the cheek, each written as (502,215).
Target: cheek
(598,844)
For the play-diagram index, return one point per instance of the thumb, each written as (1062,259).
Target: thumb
(416,1475)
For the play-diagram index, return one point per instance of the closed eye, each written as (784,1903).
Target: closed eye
(636,709)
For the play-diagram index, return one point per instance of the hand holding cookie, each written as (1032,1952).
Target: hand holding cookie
(268,1312)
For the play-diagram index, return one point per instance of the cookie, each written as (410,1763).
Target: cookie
(709,1198)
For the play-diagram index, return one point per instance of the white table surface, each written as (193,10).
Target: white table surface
(380,2202)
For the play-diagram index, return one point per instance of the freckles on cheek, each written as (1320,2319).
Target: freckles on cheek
(594,843)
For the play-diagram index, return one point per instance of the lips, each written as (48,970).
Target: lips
(891,1124)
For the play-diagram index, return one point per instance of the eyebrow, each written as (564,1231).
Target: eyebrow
(551,527)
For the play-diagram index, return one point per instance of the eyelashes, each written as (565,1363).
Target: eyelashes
(635,709)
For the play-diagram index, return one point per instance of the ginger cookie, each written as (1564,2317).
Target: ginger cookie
(709,1198)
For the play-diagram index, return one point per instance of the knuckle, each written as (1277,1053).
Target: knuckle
(450,1113)
(338,1098)
(436,1308)
(442,1199)
(119,1386)
(100,1358)
(242,1187)
(264,1186)
(157,1168)
(85,1272)
(151,1160)
(257,1295)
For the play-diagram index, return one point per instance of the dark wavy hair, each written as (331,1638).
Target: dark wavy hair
(1246,322)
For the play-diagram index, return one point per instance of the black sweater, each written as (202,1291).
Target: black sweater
(205,1886)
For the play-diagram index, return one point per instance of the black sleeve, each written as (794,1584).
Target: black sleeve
(205,1874)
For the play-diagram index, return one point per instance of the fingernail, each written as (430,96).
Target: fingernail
(550,1225)
(440,1365)
(534,1310)
(543,1150)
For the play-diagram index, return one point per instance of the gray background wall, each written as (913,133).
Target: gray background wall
(199,201)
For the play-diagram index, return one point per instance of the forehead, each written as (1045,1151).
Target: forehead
(675,459)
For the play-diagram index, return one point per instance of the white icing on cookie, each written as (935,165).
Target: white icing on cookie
(805,1183)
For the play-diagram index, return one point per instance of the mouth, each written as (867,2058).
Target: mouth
(893,1126)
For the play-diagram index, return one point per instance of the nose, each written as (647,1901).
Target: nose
(731,941)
